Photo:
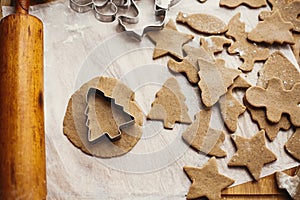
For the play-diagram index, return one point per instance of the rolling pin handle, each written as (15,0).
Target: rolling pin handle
(22,6)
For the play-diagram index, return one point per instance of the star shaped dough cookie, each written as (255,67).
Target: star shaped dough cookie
(169,40)
(206,181)
(252,153)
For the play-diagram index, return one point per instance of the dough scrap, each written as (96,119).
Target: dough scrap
(230,107)
(202,138)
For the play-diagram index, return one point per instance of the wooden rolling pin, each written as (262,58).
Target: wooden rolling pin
(22,137)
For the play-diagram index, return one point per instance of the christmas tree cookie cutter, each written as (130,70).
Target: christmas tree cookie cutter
(113,120)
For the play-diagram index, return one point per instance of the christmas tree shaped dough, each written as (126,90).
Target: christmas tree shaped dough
(215,78)
(289,10)
(169,105)
(272,30)
(278,66)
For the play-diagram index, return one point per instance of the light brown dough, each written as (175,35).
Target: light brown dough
(214,44)
(296,47)
(169,105)
(74,125)
(215,79)
(278,66)
(169,40)
(203,138)
(293,145)
(272,30)
(202,23)
(206,181)
(289,10)
(230,107)
(248,52)
(271,129)
(276,100)
(189,64)
(252,153)
(250,3)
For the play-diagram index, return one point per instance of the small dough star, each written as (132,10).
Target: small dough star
(206,181)
(169,40)
(252,153)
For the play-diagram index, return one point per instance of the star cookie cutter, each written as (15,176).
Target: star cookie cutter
(161,8)
(92,92)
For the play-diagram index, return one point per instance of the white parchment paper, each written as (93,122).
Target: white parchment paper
(78,48)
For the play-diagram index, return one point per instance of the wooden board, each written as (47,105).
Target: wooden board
(266,188)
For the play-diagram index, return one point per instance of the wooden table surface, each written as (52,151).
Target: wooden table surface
(264,189)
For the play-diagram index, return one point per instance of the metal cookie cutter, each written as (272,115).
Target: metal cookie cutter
(95,132)
(160,10)
(104,10)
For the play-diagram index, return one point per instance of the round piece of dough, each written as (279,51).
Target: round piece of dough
(74,125)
